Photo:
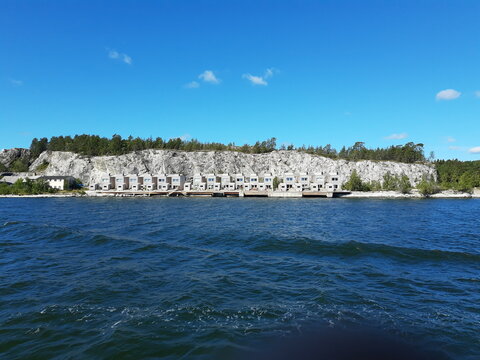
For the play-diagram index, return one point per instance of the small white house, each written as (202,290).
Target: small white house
(187,186)
(163,182)
(225,180)
(252,181)
(239,181)
(107,182)
(177,181)
(334,179)
(212,180)
(149,182)
(304,181)
(198,182)
(121,182)
(135,182)
(290,180)
(59,182)
(268,181)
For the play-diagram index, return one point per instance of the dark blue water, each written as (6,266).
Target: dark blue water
(202,278)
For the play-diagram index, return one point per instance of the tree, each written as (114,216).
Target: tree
(427,187)
(276,182)
(404,184)
(355,183)
(19,166)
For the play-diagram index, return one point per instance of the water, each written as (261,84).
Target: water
(202,278)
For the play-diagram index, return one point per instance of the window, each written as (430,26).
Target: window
(289,179)
(175,179)
(161,180)
(268,180)
(211,179)
(253,179)
(239,179)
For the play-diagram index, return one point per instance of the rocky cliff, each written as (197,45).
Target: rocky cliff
(8,156)
(90,169)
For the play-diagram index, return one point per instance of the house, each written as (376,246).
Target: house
(150,182)
(107,182)
(304,181)
(59,182)
(177,181)
(212,180)
(121,182)
(289,180)
(268,181)
(252,181)
(199,182)
(163,182)
(318,181)
(225,181)
(135,182)
(334,179)
(93,186)
(187,186)
(239,181)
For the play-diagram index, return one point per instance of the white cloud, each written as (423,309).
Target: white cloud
(448,94)
(474,150)
(185,137)
(255,80)
(16,83)
(451,139)
(127,59)
(209,76)
(260,80)
(192,85)
(397,136)
(113,54)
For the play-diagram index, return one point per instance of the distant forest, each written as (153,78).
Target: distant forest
(94,145)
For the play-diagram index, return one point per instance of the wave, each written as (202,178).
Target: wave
(354,248)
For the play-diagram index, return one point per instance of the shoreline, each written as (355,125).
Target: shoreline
(447,194)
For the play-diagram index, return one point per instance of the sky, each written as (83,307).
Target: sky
(306,72)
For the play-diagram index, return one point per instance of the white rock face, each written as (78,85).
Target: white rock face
(90,169)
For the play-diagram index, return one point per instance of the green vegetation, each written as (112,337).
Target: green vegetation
(458,175)
(3,168)
(42,167)
(19,165)
(428,187)
(390,183)
(355,183)
(28,187)
(94,145)
(276,182)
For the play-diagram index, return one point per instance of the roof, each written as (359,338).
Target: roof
(56,177)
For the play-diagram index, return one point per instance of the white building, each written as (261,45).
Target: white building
(225,181)
(213,182)
(121,182)
(59,182)
(239,181)
(108,182)
(150,182)
(177,181)
(135,182)
(163,182)
(199,182)
(252,181)
(268,181)
(304,181)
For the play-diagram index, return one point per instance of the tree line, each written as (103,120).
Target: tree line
(94,145)
(458,175)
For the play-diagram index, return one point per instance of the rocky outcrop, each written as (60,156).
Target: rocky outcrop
(90,169)
(8,156)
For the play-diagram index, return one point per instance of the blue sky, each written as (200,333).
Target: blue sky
(305,72)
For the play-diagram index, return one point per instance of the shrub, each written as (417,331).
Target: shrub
(355,183)
(427,187)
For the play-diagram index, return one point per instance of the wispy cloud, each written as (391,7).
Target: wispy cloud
(477,93)
(114,54)
(209,77)
(451,139)
(260,79)
(448,94)
(474,150)
(16,82)
(192,85)
(185,137)
(397,136)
